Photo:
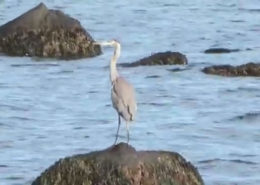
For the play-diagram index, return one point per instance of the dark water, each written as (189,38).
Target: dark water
(51,109)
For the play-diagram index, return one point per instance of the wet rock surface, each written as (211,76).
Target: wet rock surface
(220,50)
(162,58)
(44,32)
(249,69)
(121,164)
(249,117)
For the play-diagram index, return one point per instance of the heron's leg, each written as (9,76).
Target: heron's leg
(127,130)
(119,122)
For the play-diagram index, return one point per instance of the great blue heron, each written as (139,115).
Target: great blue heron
(122,92)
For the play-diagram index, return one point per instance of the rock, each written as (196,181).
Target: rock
(46,33)
(249,69)
(121,164)
(164,58)
(248,117)
(180,69)
(220,50)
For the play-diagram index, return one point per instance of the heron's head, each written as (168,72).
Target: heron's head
(113,43)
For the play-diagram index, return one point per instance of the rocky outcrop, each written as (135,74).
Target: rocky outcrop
(121,164)
(46,33)
(249,69)
(164,58)
(248,117)
(220,50)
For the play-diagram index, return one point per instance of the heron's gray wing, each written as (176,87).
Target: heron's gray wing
(123,98)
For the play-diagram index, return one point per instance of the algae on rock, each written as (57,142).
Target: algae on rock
(121,164)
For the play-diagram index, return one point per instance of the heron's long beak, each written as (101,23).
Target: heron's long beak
(95,43)
(102,43)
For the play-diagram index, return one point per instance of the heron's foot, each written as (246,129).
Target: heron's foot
(116,139)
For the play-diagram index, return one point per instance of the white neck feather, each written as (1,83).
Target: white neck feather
(113,71)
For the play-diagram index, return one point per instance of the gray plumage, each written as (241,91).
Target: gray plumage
(122,92)
(123,98)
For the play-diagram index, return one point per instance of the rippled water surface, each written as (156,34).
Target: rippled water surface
(51,109)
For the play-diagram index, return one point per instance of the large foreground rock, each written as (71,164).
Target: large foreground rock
(163,58)
(249,69)
(46,33)
(121,165)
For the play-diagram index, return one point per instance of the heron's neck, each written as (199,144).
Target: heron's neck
(113,71)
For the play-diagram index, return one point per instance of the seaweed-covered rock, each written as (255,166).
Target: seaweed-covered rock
(44,32)
(220,50)
(163,58)
(249,69)
(121,164)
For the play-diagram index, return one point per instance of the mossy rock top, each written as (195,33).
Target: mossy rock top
(220,50)
(249,69)
(44,32)
(121,164)
(161,58)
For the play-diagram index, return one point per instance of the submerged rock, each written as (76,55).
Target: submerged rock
(248,117)
(163,58)
(220,50)
(121,165)
(46,33)
(249,69)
